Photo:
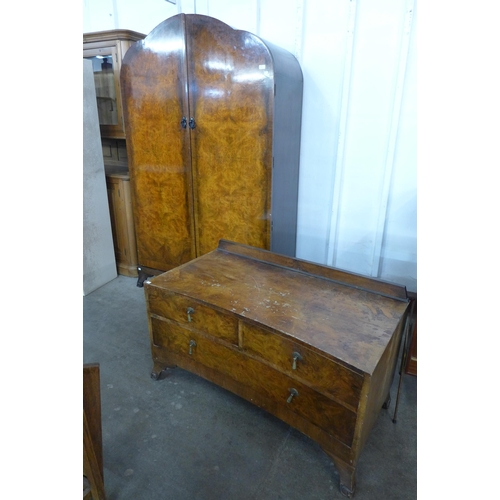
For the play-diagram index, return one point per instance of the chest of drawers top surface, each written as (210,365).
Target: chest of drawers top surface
(347,317)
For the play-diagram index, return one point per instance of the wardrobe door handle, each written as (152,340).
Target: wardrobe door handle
(184,122)
(192,123)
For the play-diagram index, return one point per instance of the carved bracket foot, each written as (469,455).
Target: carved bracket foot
(155,375)
(143,276)
(347,474)
(346,491)
(159,371)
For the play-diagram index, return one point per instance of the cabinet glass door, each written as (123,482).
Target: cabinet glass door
(107,89)
(104,78)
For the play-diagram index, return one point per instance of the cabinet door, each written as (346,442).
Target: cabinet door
(154,93)
(116,216)
(107,88)
(230,99)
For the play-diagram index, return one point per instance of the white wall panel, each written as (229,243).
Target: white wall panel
(323,57)
(357,185)
(239,14)
(195,7)
(145,15)
(376,51)
(98,15)
(189,6)
(399,250)
(288,32)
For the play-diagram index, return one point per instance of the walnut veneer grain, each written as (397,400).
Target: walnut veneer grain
(212,147)
(319,353)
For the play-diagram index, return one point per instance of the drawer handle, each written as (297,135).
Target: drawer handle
(293,392)
(296,356)
(190,311)
(192,344)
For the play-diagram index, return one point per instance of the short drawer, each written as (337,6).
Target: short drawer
(297,361)
(332,417)
(191,313)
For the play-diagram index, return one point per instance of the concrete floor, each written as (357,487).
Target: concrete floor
(183,438)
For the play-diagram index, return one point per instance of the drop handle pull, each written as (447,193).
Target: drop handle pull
(192,344)
(293,393)
(295,357)
(190,311)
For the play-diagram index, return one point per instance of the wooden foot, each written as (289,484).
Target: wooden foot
(347,474)
(155,374)
(143,276)
(159,368)
(346,491)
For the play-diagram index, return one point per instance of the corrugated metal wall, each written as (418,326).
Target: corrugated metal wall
(358,182)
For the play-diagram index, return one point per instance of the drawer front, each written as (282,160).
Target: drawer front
(317,371)
(193,314)
(332,417)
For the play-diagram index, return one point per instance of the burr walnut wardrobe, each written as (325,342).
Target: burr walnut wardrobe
(212,118)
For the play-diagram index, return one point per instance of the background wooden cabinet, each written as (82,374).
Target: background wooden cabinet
(212,118)
(106,50)
(122,222)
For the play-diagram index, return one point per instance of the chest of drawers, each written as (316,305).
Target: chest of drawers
(313,345)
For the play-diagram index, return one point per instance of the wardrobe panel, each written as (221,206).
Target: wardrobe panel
(154,91)
(287,121)
(230,95)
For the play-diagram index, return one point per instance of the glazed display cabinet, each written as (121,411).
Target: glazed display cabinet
(106,50)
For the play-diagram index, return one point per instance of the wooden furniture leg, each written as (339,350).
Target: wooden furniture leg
(92,432)
(159,368)
(347,474)
(143,275)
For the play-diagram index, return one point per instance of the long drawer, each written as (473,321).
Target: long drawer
(300,362)
(332,417)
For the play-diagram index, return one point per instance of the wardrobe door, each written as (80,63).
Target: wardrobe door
(230,99)
(153,78)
